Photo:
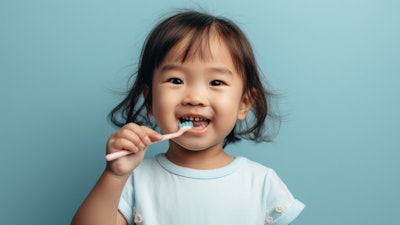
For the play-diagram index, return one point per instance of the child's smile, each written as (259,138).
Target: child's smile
(200,115)
(198,122)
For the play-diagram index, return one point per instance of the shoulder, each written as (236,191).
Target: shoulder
(272,183)
(281,206)
(256,169)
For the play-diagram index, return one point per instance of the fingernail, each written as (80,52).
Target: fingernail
(141,146)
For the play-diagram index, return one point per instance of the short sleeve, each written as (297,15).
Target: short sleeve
(282,208)
(127,201)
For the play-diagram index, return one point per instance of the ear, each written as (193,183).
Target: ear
(247,101)
(146,95)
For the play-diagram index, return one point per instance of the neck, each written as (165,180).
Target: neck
(202,159)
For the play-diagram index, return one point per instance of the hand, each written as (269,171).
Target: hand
(133,138)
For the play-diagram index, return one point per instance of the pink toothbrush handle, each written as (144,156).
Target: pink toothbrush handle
(176,134)
(116,155)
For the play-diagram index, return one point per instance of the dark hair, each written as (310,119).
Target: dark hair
(196,26)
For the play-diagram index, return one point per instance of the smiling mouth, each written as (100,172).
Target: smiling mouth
(198,122)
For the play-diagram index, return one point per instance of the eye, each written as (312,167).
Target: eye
(216,83)
(175,81)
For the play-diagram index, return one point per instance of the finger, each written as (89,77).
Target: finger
(151,134)
(145,134)
(133,133)
(124,144)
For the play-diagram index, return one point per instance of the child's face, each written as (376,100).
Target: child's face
(208,91)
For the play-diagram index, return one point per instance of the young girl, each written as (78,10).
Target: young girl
(199,68)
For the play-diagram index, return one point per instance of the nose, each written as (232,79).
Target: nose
(195,97)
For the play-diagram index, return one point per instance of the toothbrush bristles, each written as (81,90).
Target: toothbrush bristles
(186,124)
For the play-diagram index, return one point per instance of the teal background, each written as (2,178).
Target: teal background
(336,64)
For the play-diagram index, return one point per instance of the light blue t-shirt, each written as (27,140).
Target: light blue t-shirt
(159,192)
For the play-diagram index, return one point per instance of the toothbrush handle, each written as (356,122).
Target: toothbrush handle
(116,155)
(170,136)
(176,134)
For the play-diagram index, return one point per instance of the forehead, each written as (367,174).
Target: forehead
(206,46)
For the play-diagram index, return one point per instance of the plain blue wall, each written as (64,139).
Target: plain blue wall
(335,62)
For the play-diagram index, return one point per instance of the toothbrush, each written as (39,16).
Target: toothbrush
(183,127)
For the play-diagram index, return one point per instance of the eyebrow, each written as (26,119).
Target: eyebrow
(170,67)
(222,70)
(213,69)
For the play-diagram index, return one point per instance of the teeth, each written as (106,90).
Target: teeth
(193,118)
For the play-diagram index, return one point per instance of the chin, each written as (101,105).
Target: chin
(194,147)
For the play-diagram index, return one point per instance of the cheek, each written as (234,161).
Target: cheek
(163,105)
(229,106)
(159,103)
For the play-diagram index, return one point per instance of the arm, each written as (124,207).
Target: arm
(101,205)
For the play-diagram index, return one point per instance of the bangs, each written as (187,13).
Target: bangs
(196,44)
(189,35)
